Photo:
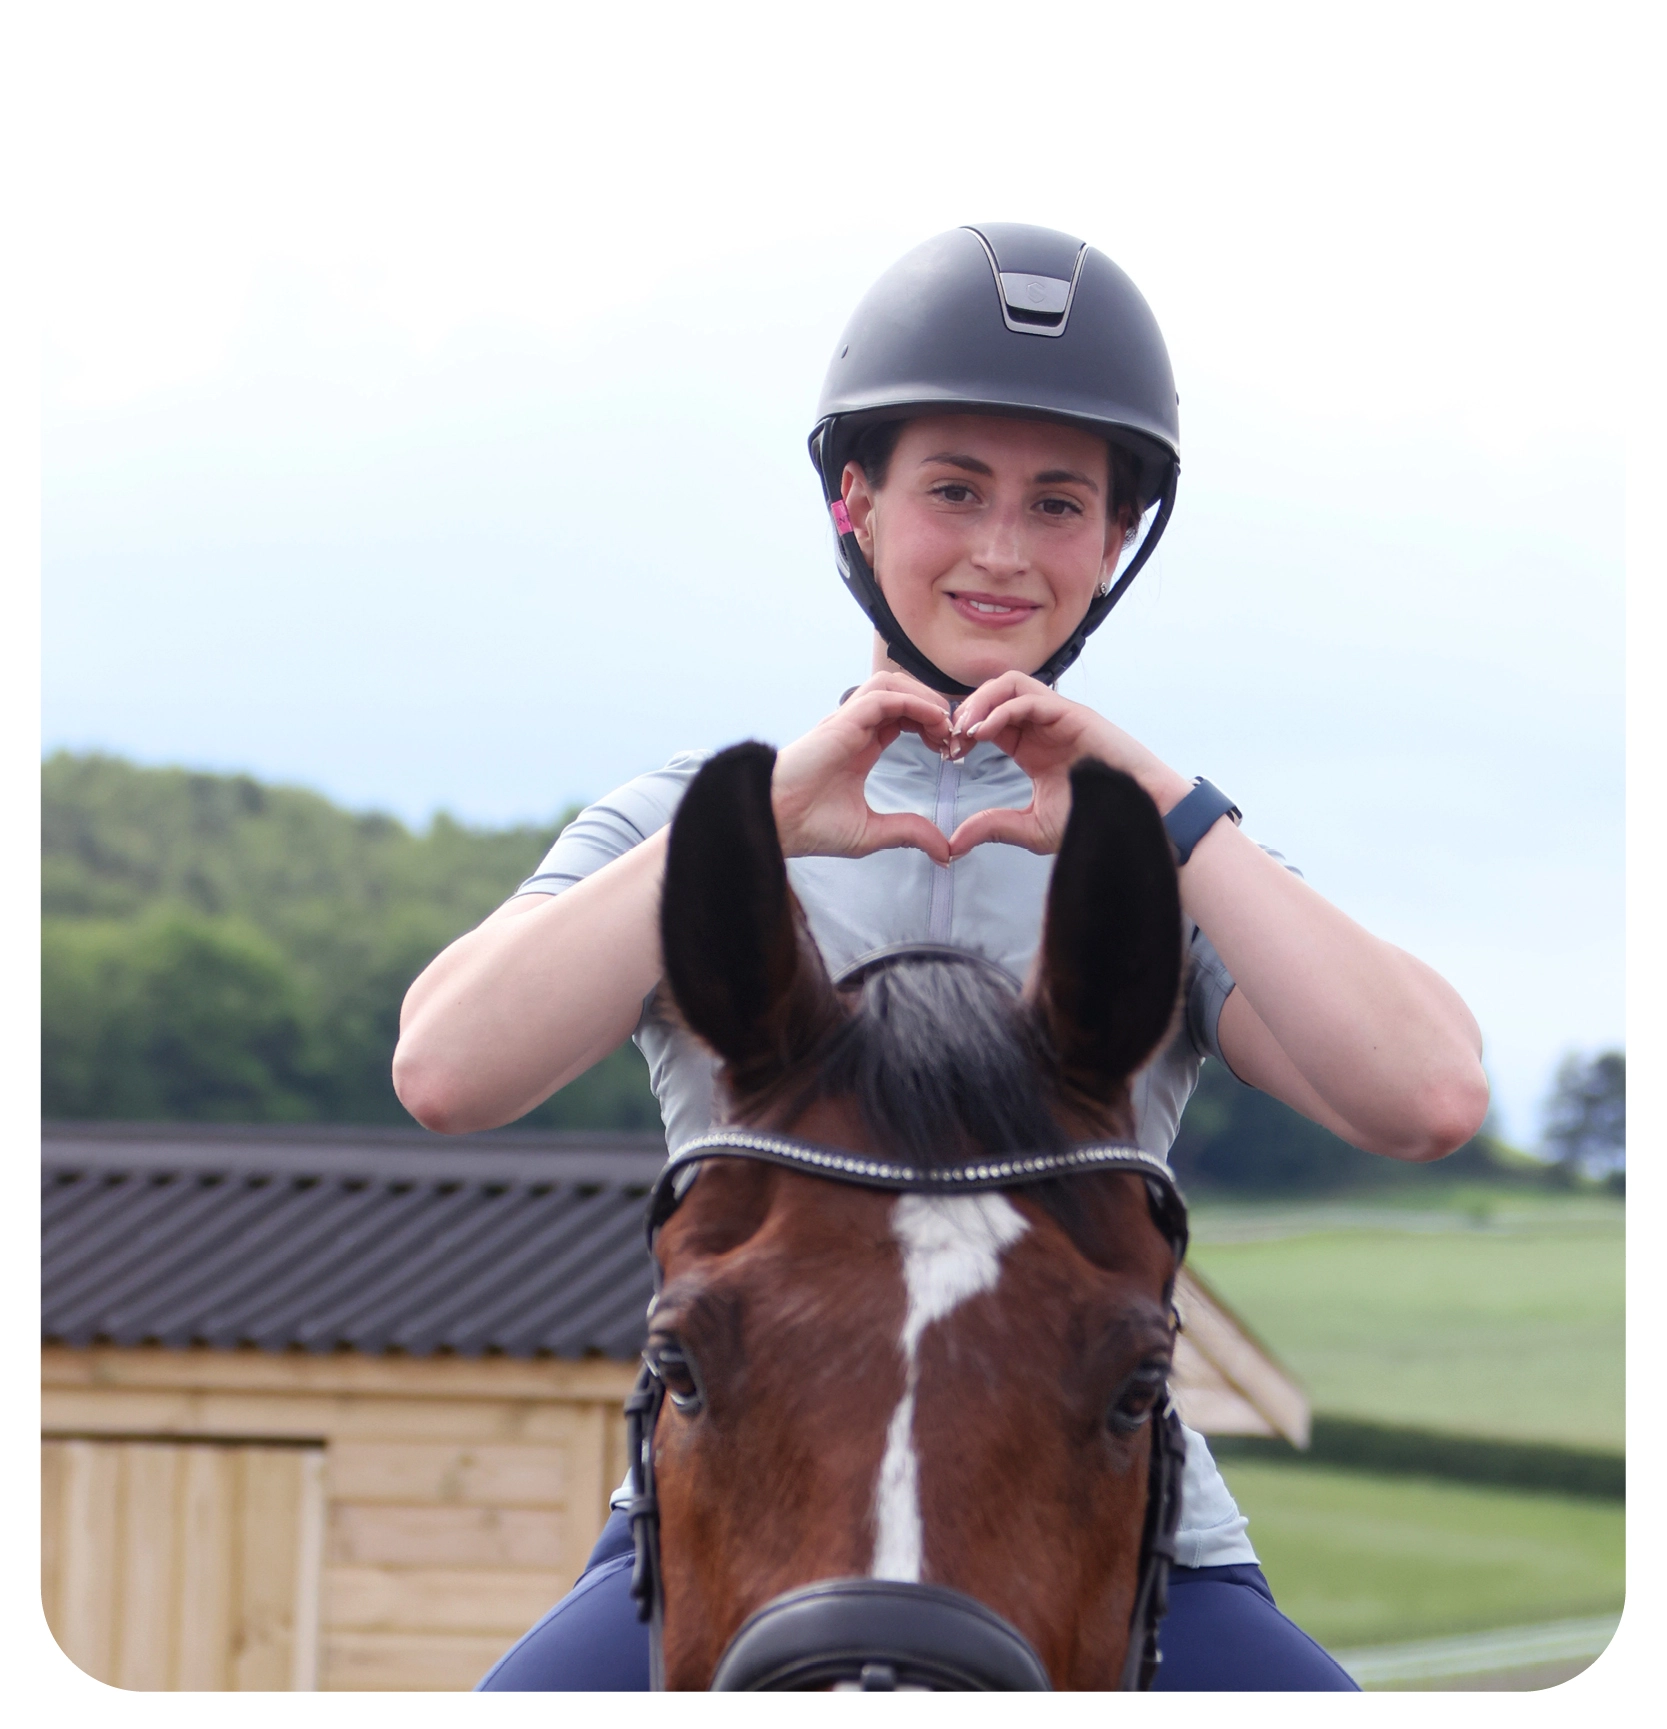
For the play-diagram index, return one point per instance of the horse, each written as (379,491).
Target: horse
(904,1418)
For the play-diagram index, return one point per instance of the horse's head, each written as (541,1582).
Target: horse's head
(955,1389)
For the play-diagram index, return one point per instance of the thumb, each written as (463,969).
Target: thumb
(1016,827)
(904,828)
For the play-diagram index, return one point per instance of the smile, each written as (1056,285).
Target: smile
(1000,610)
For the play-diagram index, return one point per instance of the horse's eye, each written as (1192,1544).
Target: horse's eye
(667,1358)
(1137,1398)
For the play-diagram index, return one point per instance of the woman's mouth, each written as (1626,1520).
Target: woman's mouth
(997,611)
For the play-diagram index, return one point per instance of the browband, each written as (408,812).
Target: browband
(1168,1206)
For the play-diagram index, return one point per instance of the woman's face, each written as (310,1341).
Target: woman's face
(988,538)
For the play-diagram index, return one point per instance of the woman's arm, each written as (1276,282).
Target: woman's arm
(1344,1027)
(550,984)
(531,998)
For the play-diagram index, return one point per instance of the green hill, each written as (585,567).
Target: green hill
(214,948)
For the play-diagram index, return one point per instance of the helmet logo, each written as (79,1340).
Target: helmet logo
(1035,297)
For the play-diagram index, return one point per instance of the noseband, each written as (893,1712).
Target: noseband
(879,1635)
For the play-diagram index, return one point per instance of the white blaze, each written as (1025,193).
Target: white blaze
(952,1248)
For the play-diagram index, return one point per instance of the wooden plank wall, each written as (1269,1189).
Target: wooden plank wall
(456,1502)
(187,1567)
(229,1519)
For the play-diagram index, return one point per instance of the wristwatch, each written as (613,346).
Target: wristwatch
(1196,815)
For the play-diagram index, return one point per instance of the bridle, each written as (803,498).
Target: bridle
(883,1634)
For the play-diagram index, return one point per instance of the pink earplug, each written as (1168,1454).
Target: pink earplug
(842,520)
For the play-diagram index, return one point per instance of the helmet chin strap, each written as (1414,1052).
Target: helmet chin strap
(865,589)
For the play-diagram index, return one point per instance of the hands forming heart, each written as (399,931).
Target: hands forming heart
(821,807)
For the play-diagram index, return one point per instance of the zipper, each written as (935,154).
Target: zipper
(942,906)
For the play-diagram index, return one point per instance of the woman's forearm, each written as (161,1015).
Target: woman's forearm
(1331,1014)
(531,998)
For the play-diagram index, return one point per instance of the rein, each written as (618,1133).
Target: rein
(879,1634)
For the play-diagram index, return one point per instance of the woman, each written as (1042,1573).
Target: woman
(997,443)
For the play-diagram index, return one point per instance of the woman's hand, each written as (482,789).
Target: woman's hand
(1045,734)
(818,790)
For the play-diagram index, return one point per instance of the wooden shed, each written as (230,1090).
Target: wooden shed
(341,1408)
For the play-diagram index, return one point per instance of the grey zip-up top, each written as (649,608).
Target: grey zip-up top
(992,901)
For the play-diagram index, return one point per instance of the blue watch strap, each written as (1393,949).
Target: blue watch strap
(1196,814)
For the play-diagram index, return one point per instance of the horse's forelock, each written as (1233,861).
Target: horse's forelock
(943,1060)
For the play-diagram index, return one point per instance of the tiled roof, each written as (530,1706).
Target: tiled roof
(345,1239)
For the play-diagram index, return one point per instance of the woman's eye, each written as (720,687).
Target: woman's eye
(1060,507)
(953,492)
(1136,1400)
(668,1360)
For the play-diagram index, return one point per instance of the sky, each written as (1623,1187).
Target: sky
(425,395)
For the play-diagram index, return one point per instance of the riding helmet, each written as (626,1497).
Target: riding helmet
(1007,319)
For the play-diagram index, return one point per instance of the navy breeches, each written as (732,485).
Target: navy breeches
(1223,1634)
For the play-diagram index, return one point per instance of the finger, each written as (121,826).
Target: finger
(1015,827)
(904,828)
(897,679)
(993,692)
(1014,715)
(896,702)
(904,682)
(936,735)
(880,706)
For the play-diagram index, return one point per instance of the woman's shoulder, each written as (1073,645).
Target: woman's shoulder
(613,824)
(649,800)
(661,787)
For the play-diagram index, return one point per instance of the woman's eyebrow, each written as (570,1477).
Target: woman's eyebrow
(1055,476)
(951,460)
(972,465)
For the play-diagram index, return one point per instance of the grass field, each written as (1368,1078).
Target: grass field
(1360,1560)
(1481,1312)
(1492,1316)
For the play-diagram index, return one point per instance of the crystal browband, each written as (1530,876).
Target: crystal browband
(970,1178)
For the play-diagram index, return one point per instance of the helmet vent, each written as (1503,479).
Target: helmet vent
(1037,301)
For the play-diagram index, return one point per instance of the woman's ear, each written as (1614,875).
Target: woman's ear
(859,507)
(1120,524)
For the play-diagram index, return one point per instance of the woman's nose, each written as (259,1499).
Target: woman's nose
(999,546)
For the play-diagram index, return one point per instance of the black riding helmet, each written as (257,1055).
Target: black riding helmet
(1013,320)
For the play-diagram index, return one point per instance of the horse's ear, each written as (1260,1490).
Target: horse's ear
(1111,947)
(742,967)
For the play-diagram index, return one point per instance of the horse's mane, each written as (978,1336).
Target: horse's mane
(944,1060)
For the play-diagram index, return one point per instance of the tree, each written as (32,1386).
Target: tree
(1234,1140)
(215,948)
(1585,1119)
(173,1015)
